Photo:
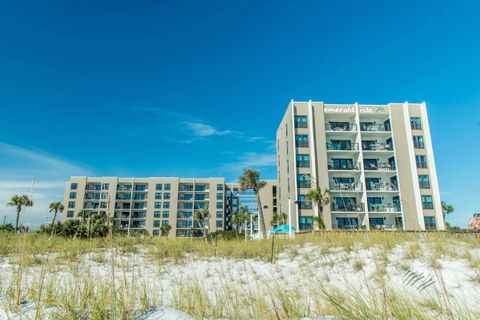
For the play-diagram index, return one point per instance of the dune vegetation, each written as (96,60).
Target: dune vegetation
(341,275)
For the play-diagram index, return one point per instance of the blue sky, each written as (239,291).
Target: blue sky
(190,88)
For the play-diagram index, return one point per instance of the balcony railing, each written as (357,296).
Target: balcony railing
(377,147)
(347,207)
(381,186)
(345,127)
(345,186)
(373,127)
(380,166)
(342,146)
(391,207)
(332,166)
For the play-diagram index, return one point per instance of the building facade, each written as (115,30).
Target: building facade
(236,198)
(145,204)
(376,160)
(138,204)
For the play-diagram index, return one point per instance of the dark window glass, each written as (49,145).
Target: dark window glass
(301,122)
(418,142)
(421,161)
(427,202)
(416,123)
(424,181)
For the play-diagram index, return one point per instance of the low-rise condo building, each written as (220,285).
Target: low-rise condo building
(376,160)
(145,204)
(138,204)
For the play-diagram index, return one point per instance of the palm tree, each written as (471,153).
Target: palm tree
(202,217)
(83,215)
(55,207)
(251,180)
(278,219)
(19,201)
(446,209)
(165,229)
(241,217)
(320,199)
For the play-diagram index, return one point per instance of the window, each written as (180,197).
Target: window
(340,145)
(219,224)
(71,204)
(158,204)
(302,203)
(105,186)
(73,195)
(166,205)
(140,187)
(303,181)
(156,223)
(70,214)
(370,164)
(418,142)
(219,187)
(159,186)
(415,123)
(103,205)
(301,140)
(421,161)
(158,195)
(165,214)
(168,186)
(301,122)
(303,161)
(377,221)
(104,195)
(424,182)
(166,195)
(429,223)
(347,223)
(164,222)
(156,233)
(306,223)
(219,205)
(219,196)
(339,126)
(219,214)
(427,202)
(156,214)
(74,186)
(341,164)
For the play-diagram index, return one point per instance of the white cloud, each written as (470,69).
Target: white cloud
(19,167)
(205,130)
(252,160)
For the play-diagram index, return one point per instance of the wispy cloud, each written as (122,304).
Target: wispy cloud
(182,128)
(21,166)
(251,160)
(201,130)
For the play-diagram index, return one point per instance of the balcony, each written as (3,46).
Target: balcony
(373,127)
(381,186)
(342,146)
(345,186)
(377,147)
(390,207)
(352,207)
(381,166)
(341,127)
(334,166)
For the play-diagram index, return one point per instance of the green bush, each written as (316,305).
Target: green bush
(7,228)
